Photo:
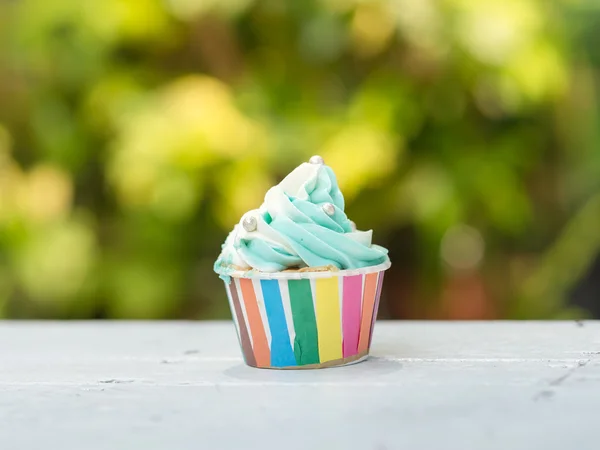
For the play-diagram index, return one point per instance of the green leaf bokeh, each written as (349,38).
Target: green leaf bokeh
(135,133)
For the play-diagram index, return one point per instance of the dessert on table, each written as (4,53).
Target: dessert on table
(303,282)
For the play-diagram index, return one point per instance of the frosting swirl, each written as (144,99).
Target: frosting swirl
(300,224)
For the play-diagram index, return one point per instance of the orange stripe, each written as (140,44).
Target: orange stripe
(259,338)
(367,311)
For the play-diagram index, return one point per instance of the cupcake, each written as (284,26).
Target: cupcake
(303,283)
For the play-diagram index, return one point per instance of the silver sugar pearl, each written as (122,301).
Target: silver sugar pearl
(249,223)
(329,209)
(316,160)
(353,225)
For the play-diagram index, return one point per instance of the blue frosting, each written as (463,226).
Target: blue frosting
(299,233)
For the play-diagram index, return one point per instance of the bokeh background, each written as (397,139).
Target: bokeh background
(135,133)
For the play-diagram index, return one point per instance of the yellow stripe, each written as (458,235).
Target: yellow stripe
(328,319)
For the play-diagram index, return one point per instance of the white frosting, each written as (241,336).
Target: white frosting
(297,184)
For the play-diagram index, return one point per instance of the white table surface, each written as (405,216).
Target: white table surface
(182,385)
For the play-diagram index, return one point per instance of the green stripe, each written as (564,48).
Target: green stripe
(306,344)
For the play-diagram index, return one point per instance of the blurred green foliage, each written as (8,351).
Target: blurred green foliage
(135,133)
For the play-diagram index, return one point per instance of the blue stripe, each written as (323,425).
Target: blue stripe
(282,354)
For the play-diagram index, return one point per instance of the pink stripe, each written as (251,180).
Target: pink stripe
(379,285)
(351,314)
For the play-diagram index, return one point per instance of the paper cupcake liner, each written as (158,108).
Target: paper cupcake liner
(305,320)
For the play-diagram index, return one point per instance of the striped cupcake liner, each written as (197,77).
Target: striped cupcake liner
(306,320)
